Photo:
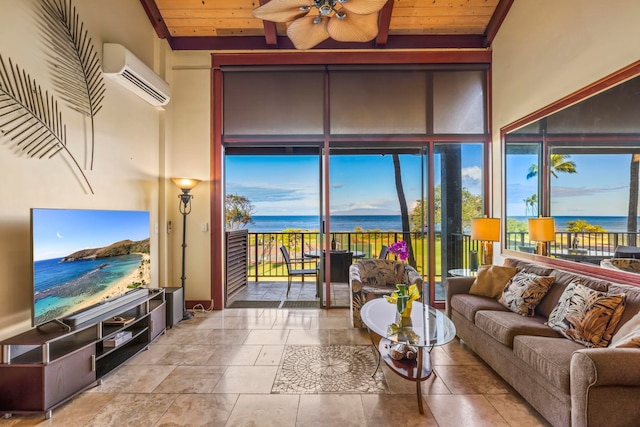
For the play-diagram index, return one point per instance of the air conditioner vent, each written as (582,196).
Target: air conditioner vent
(132,73)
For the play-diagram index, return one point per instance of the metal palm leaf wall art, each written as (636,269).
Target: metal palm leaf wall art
(75,66)
(31,118)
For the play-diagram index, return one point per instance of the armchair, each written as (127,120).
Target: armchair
(373,278)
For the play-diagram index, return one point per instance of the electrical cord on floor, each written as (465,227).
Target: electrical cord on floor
(201,309)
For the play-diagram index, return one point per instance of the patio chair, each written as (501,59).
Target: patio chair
(293,272)
(373,278)
(383,252)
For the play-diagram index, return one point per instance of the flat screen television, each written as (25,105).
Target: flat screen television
(85,258)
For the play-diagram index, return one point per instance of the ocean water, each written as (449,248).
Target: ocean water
(265,224)
(59,287)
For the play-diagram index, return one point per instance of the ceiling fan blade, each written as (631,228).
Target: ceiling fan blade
(282,10)
(363,7)
(305,34)
(353,28)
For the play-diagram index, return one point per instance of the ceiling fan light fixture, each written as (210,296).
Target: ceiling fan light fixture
(355,20)
(325,9)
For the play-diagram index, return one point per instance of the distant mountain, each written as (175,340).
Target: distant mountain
(124,247)
(365,212)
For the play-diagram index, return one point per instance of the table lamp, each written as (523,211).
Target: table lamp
(542,230)
(487,231)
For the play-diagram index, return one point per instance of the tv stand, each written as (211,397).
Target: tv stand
(58,322)
(41,370)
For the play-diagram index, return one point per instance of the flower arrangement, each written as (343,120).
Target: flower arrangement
(403,298)
(399,249)
(403,327)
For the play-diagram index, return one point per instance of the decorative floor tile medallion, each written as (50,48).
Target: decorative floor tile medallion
(329,369)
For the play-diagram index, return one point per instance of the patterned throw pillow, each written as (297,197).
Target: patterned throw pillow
(628,336)
(630,341)
(587,316)
(524,291)
(491,280)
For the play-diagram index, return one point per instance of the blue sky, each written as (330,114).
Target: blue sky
(600,188)
(360,184)
(60,232)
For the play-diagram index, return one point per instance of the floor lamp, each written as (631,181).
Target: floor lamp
(184,206)
(487,231)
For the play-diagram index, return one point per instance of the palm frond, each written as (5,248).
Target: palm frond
(75,65)
(31,118)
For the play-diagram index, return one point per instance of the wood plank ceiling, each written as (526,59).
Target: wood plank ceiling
(408,24)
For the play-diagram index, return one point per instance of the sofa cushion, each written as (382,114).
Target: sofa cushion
(631,301)
(505,325)
(550,357)
(528,267)
(524,291)
(381,273)
(469,305)
(586,316)
(563,278)
(628,335)
(631,340)
(491,279)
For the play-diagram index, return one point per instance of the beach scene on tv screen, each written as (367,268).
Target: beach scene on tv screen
(82,258)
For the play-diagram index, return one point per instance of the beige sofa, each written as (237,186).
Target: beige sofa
(568,383)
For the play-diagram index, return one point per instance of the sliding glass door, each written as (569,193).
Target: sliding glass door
(373,192)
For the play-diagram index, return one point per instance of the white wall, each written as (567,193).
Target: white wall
(126,167)
(188,155)
(547,49)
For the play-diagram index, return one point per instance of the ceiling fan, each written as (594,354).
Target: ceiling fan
(313,21)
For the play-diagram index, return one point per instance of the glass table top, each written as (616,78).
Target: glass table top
(428,326)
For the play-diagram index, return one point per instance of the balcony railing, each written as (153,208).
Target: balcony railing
(579,246)
(265,258)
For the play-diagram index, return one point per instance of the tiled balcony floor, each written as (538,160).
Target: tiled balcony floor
(219,368)
(277,291)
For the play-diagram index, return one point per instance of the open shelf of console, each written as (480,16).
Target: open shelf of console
(46,366)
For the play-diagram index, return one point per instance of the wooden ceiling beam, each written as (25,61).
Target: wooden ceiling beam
(283,42)
(496,21)
(157,22)
(383,24)
(270,31)
(478,57)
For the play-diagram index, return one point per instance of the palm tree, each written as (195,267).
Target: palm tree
(531,202)
(632,219)
(404,211)
(558,163)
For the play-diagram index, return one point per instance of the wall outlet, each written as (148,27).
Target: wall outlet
(155,227)
(168,227)
(204,227)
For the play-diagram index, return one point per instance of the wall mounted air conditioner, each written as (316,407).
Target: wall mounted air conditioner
(125,68)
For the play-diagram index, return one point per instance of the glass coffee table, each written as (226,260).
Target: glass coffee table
(428,328)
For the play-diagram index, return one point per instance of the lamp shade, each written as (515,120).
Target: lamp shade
(542,229)
(485,229)
(185,183)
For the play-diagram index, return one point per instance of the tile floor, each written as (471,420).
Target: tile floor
(218,369)
(277,291)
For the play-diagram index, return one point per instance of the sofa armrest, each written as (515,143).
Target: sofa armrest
(596,373)
(453,286)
